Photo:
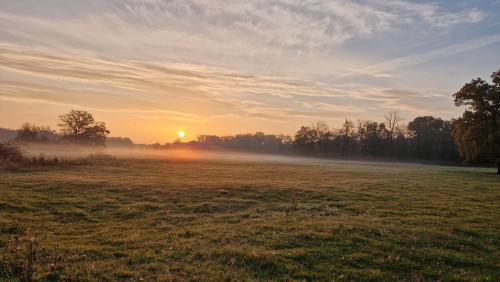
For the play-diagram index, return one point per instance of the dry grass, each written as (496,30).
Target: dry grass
(229,221)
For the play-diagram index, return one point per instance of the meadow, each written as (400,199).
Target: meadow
(230,220)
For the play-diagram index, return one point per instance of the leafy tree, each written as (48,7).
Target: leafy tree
(372,137)
(477,132)
(80,127)
(305,139)
(432,138)
(346,136)
(323,135)
(95,134)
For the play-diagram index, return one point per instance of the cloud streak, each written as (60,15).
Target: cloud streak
(384,69)
(241,35)
(164,89)
(162,86)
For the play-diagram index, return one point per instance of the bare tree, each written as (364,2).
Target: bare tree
(28,132)
(322,130)
(393,119)
(348,130)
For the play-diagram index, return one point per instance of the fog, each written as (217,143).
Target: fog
(69,151)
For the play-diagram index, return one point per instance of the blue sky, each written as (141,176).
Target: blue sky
(149,68)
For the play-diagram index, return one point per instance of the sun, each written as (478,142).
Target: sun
(181,134)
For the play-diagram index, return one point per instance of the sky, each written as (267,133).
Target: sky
(149,68)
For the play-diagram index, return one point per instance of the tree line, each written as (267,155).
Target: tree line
(473,138)
(425,138)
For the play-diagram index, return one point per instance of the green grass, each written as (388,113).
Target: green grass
(229,221)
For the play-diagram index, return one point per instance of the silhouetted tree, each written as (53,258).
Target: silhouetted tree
(306,139)
(80,127)
(119,141)
(323,135)
(399,146)
(285,140)
(425,138)
(46,134)
(346,137)
(209,140)
(392,120)
(258,142)
(432,138)
(372,137)
(30,132)
(477,132)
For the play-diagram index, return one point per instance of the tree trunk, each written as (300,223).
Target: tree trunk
(498,167)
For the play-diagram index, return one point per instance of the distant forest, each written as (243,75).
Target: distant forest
(425,138)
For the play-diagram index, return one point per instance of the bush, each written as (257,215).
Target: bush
(10,153)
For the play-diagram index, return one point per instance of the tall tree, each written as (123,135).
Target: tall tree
(477,132)
(371,137)
(346,136)
(80,127)
(392,120)
(323,136)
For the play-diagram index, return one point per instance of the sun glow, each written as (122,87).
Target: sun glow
(181,134)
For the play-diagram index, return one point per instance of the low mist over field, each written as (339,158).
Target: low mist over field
(75,151)
(141,153)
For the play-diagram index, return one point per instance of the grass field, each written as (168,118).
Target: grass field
(248,221)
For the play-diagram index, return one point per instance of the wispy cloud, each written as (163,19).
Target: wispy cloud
(187,91)
(384,69)
(253,63)
(234,34)
(432,13)
(158,86)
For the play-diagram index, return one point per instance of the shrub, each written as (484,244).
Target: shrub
(10,154)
